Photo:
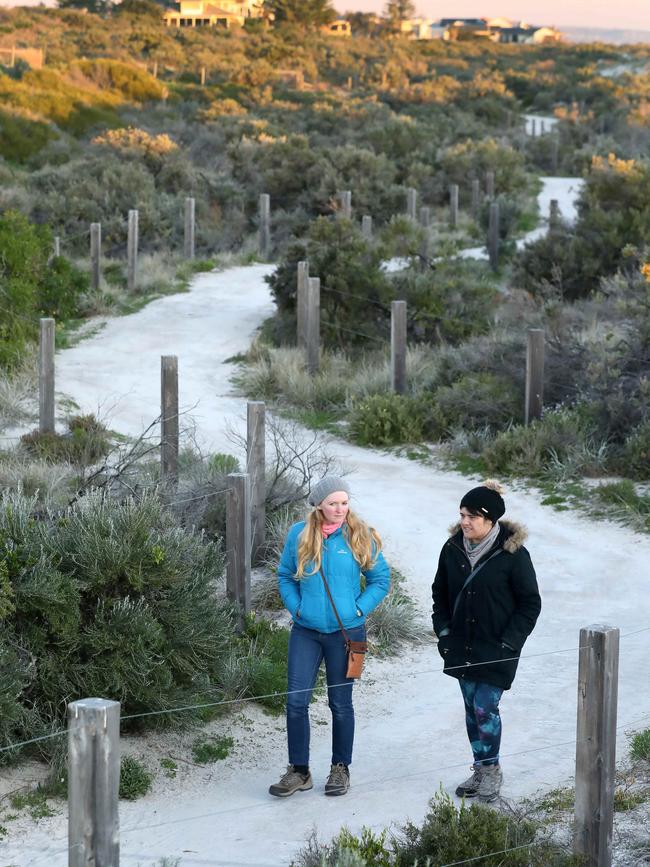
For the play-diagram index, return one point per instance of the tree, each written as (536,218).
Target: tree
(306,13)
(397,11)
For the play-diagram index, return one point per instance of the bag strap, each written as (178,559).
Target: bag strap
(336,614)
(469,580)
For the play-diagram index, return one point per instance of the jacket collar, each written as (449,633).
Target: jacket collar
(511,538)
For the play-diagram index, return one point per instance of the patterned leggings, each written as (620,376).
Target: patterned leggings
(482,720)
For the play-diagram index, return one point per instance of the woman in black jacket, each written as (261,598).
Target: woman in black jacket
(485,604)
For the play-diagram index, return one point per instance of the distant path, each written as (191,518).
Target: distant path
(410,737)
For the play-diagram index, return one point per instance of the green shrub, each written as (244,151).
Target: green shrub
(450,834)
(386,420)
(476,400)
(21,138)
(135,779)
(264,651)
(86,442)
(625,502)
(636,453)
(640,746)
(212,749)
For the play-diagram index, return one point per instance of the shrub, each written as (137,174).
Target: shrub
(135,779)
(212,750)
(112,599)
(636,452)
(476,400)
(21,138)
(86,442)
(386,420)
(450,834)
(640,746)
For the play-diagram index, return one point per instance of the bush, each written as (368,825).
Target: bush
(450,834)
(111,599)
(640,747)
(86,442)
(135,779)
(636,453)
(386,420)
(212,750)
(476,400)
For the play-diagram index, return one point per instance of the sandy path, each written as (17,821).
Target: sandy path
(410,738)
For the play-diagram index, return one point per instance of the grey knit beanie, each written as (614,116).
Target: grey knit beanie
(325,487)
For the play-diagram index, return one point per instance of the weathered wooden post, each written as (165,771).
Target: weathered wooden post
(256,469)
(425,223)
(238,542)
(345,200)
(366,226)
(46,376)
(493,236)
(57,246)
(554,215)
(154,70)
(265,225)
(313,324)
(412,203)
(169,427)
(489,184)
(190,227)
(132,251)
(534,375)
(453,205)
(302,276)
(202,75)
(95,253)
(542,127)
(476,198)
(425,216)
(398,346)
(596,744)
(93,782)
(533,127)
(555,152)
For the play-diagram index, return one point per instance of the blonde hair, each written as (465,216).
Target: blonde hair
(363,541)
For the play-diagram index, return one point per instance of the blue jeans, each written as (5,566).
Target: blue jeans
(307,649)
(482,720)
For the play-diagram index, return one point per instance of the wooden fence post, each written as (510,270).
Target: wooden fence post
(398,346)
(554,215)
(596,744)
(533,127)
(493,236)
(95,253)
(57,246)
(476,198)
(534,375)
(132,251)
(256,469)
(265,225)
(169,427)
(425,217)
(46,376)
(555,152)
(238,542)
(313,324)
(202,76)
(412,203)
(366,226)
(489,184)
(93,782)
(190,226)
(345,199)
(302,276)
(154,71)
(453,205)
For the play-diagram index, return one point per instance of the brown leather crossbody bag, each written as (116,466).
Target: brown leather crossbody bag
(356,649)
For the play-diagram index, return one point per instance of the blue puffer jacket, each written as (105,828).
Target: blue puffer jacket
(306,598)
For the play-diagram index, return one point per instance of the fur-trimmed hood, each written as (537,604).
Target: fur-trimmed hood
(515,534)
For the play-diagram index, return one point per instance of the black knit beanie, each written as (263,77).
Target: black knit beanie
(485,500)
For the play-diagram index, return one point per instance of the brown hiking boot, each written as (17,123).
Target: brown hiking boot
(469,789)
(338,781)
(490,785)
(291,782)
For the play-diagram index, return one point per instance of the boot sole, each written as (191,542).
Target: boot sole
(461,793)
(335,792)
(280,794)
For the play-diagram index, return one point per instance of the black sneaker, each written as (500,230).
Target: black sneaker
(338,781)
(292,781)
(469,789)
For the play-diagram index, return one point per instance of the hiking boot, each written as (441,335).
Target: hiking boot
(490,785)
(469,789)
(338,781)
(292,781)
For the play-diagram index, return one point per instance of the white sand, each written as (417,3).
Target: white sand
(410,738)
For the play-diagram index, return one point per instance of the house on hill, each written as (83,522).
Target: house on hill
(213,13)
(338,27)
(497,30)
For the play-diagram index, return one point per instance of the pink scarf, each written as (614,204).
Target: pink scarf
(328,529)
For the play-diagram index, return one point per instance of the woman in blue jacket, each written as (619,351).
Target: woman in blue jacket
(335,539)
